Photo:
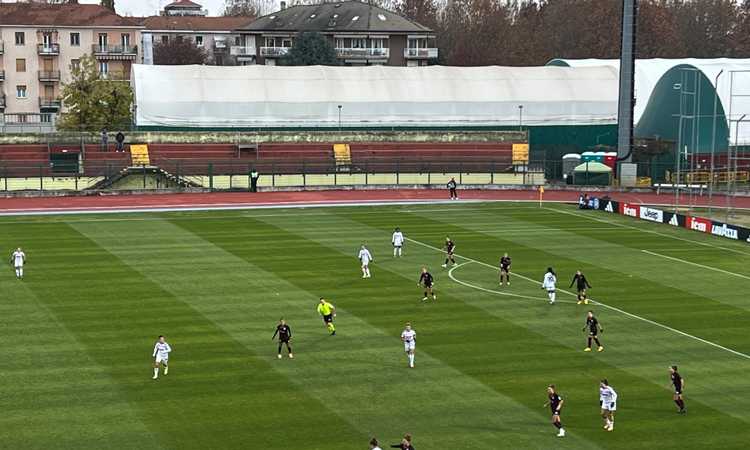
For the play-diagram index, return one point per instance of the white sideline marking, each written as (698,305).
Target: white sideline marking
(716,269)
(450,275)
(706,244)
(649,321)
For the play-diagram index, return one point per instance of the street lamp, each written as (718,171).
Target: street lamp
(713,144)
(340,106)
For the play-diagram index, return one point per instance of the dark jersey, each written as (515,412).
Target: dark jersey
(554,402)
(451,184)
(505,263)
(426,279)
(581,282)
(284,332)
(677,381)
(449,246)
(403,446)
(592,324)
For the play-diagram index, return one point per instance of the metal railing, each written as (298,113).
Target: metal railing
(271,52)
(2,47)
(420,53)
(129,50)
(362,53)
(241,50)
(50,102)
(2,74)
(49,75)
(48,49)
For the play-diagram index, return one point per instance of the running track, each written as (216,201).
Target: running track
(232,200)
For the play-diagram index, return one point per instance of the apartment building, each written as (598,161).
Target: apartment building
(184,19)
(362,34)
(40,43)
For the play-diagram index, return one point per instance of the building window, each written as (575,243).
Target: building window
(75,64)
(237,41)
(125,40)
(103,68)
(20,65)
(20,38)
(75,39)
(199,41)
(270,42)
(165,39)
(21,91)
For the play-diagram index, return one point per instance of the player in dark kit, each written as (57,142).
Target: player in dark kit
(285,335)
(505,269)
(593,327)
(579,279)
(555,403)
(450,248)
(452,188)
(679,384)
(426,281)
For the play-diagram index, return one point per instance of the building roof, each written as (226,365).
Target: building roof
(344,16)
(74,15)
(195,23)
(183,4)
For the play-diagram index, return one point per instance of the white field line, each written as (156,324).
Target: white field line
(633,316)
(706,244)
(715,269)
(508,294)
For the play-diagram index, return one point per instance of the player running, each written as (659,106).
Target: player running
(450,249)
(374,444)
(679,384)
(18,258)
(161,356)
(398,242)
(608,404)
(405,443)
(365,257)
(548,283)
(427,281)
(409,338)
(328,311)
(579,279)
(285,335)
(505,269)
(555,403)
(594,328)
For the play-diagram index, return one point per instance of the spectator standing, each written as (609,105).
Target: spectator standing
(105,140)
(254,175)
(120,140)
(452,188)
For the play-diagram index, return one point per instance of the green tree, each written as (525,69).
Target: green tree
(109,4)
(92,103)
(310,49)
(179,51)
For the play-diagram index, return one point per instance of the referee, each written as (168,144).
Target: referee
(328,311)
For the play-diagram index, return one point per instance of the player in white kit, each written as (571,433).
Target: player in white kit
(549,282)
(161,356)
(608,403)
(365,257)
(409,338)
(18,258)
(398,241)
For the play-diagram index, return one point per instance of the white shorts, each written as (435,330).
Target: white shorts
(161,359)
(409,345)
(397,245)
(19,266)
(365,263)
(609,406)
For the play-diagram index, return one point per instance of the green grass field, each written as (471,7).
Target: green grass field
(76,335)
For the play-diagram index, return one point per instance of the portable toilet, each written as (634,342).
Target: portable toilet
(599,157)
(610,159)
(587,157)
(569,162)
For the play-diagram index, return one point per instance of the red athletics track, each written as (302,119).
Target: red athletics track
(218,200)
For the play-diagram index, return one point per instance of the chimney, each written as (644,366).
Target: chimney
(283,5)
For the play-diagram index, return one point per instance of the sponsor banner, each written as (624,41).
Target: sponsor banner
(652,214)
(724,230)
(609,206)
(676,220)
(698,224)
(630,209)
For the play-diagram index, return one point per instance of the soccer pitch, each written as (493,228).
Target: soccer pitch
(76,335)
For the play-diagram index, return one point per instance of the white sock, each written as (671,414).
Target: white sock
(399,251)
(156,371)
(21,271)
(18,273)
(166,369)
(368,272)
(411,360)
(552,297)
(395,251)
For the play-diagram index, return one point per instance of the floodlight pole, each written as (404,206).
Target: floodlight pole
(713,145)
(733,166)
(340,106)
(520,117)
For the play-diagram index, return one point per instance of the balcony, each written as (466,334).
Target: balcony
(118,75)
(420,53)
(362,53)
(49,75)
(274,52)
(240,51)
(115,51)
(2,75)
(2,47)
(2,101)
(48,49)
(220,46)
(50,102)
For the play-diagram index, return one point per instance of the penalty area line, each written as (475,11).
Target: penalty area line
(491,291)
(603,305)
(715,269)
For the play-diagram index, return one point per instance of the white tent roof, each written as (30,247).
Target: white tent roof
(648,72)
(263,96)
